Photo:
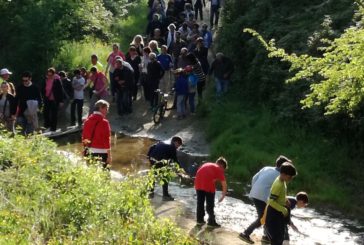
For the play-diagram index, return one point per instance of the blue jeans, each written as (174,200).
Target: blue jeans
(191,101)
(26,124)
(181,108)
(221,86)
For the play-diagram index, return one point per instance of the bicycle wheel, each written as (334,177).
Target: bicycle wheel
(157,115)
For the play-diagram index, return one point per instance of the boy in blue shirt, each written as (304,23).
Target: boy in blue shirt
(181,87)
(192,87)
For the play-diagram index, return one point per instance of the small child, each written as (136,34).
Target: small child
(181,87)
(192,87)
(277,212)
(300,201)
(78,84)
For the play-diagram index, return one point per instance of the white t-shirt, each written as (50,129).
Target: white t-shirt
(78,86)
(262,182)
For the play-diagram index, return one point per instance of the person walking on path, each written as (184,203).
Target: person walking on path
(124,81)
(78,84)
(222,68)
(8,107)
(164,152)
(259,193)
(214,13)
(5,77)
(96,134)
(134,59)
(198,6)
(206,177)
(29,100)
(53,99)
(100,87)
(155,73)
(166,61)
(181,89)
(110,67)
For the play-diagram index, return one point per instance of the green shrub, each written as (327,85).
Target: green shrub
(47,198)
(78,54)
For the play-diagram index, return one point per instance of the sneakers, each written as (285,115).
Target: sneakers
(246,238)
(168,198)
(213,225)
(265,239)
(200,223)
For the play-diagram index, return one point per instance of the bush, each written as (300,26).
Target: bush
(78,54)
(46,198)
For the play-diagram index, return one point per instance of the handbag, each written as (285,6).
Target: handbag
(86,149)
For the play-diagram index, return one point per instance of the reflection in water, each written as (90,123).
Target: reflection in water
(129,156)
(128,153)
(317,227)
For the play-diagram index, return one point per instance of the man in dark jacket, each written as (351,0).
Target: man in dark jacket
(53,99)
(222,68)
(123,78)
(164,152)
(155,72)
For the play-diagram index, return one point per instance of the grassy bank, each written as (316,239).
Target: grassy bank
(253,137)
(47,199)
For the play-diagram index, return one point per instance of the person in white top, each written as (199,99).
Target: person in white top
(78,84)
(259,193)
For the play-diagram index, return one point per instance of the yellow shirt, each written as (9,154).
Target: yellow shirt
(278,193)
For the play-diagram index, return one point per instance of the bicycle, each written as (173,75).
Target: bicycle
(162,107)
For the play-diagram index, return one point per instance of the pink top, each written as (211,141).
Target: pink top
(48,88)
(111,58)
(99,84)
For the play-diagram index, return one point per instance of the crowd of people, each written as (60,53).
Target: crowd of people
(173,55)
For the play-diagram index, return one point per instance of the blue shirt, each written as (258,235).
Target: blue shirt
(181,85)
(165,60)
(262,183)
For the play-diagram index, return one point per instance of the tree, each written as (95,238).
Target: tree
(336,77)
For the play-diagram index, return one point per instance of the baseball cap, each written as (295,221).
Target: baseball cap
(188,68)
(5,71)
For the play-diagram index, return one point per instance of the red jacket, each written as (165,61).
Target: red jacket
(101,137)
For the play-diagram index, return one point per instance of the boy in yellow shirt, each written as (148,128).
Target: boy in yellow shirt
(277,210)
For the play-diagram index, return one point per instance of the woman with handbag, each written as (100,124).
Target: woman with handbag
(96,134)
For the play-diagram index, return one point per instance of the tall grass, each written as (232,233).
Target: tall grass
(45,198)
(253,137)
(78,54)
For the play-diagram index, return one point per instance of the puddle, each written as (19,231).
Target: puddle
(235,212)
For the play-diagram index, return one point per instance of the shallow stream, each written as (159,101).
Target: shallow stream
(234,213)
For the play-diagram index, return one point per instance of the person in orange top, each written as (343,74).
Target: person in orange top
(96,134)
(206,177)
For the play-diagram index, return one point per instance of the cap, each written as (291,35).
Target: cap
(188,68)
(5,72)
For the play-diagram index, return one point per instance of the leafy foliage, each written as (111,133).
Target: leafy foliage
(34,31)
(336,77)
(48,198)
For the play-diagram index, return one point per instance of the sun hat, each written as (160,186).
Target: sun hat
(5,71)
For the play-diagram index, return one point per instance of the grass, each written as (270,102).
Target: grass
(48,199)
(135,23)
(252,137)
